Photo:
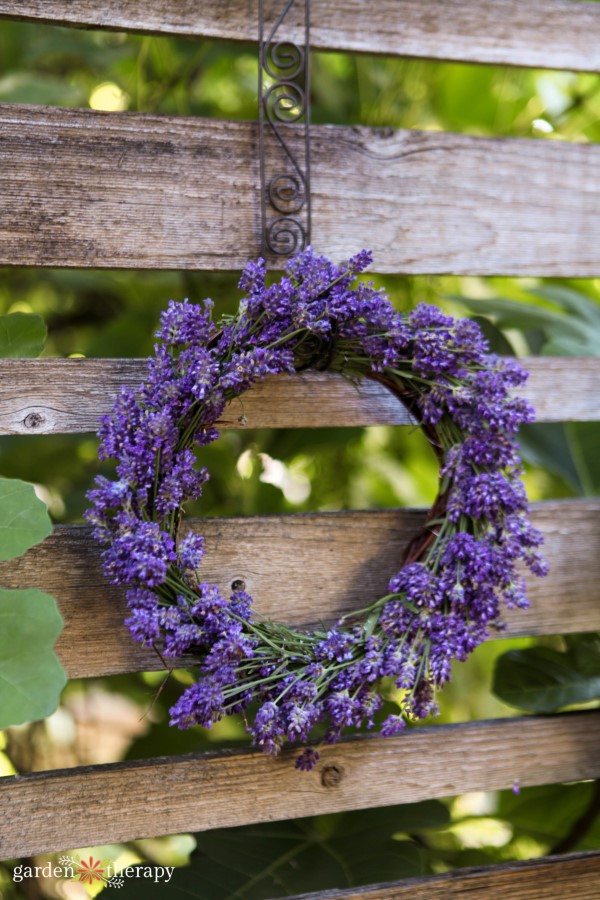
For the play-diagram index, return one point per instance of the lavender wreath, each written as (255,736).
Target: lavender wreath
(456,572)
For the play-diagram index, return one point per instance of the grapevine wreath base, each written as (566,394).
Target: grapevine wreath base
(455,573)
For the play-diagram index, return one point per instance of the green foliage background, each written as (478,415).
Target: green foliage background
(113,313)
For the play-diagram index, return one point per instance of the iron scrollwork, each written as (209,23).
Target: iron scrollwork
(284,110)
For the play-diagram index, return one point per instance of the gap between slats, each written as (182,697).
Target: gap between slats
(126,801)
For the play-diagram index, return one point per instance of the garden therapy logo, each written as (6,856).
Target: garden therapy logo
(91,871)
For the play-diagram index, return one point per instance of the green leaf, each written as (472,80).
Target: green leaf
(24,87)
(24,519)
(542,680)
(564,346)
(548,445)
(388,820)
(583,438)
(571,301)
(524,316)
(584,651)
(574,331)
(31,677)
(281,859)
(21,335)
(546,812)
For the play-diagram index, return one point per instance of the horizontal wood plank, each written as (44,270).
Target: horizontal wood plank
(301,569)
(43,396)
(61,396)
(575,876)
(51,810)
(560,34)
(92,189)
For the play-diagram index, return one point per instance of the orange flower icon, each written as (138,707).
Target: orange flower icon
(90,871)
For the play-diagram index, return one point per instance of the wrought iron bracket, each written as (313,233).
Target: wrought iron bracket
(284,128)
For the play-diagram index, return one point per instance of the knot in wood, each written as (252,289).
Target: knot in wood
(238,584)
(331,775)
(33,420)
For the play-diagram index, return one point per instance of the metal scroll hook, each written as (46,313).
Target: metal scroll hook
(284,128)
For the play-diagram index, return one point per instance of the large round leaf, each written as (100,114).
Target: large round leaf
(31,677)
(24,519)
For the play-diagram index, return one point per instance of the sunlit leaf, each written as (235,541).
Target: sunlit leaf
(546,812)
(21,335)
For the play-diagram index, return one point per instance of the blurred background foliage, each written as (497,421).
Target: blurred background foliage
(114,313)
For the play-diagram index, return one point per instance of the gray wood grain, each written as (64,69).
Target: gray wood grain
(50,811)
(575,876)
(92,189)
(301,569)
(60,396)
(543,33)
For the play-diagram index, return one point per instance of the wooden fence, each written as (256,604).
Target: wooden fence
(90,189)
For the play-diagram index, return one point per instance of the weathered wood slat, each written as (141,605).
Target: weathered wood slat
(217,790)
(84,188)
(301,569)
(46,396)
(575,876)
(543,33)
(41,396)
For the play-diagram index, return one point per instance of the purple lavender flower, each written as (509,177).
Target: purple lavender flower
(190,551)
(186,323)
(336,646)
(200,704)
(268,731)
(307,759)
(393,725)
(140,553)
(418,584)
